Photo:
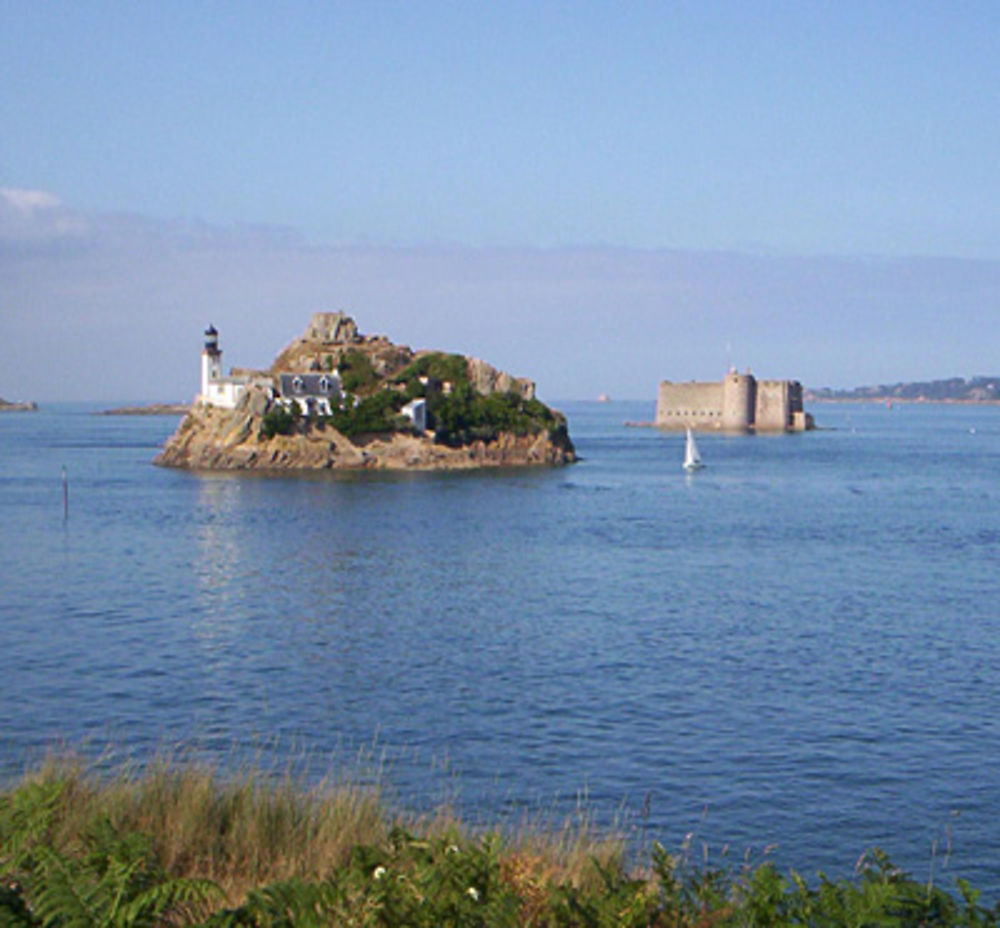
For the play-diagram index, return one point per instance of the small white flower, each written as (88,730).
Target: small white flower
(451,849)
(473,893)
(378,873)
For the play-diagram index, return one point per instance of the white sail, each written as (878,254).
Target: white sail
(692,460)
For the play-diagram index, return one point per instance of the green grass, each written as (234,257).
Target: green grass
(179,844)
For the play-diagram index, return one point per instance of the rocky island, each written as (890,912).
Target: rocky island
(335,399)
(7,406)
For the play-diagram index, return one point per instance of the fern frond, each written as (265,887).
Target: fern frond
(61,894)
(25,818)
(189,898)
(292,904)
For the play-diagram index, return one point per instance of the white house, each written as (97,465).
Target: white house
(314,393)
(416,412)
(217,390)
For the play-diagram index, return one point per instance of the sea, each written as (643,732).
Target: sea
(792,654)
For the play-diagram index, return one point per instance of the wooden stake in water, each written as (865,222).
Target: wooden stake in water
(65,494)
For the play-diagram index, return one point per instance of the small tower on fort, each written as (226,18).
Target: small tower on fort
(739,399)
(211,360)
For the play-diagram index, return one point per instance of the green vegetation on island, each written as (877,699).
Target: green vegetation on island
(357,373)
(456,412)
(181,845)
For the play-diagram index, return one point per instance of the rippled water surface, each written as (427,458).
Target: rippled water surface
(796,646)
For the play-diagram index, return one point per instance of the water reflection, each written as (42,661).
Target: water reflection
(217,566)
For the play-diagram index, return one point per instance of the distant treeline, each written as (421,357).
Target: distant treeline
(975,390)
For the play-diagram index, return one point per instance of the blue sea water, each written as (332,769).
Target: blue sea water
(797,646)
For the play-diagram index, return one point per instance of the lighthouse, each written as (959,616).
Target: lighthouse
(211,362)
(217,390)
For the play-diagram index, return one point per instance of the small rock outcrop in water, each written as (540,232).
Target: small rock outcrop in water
(6,406)
(151,409)
(336,399)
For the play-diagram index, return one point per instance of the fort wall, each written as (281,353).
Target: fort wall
(773,412)
(739,403)
(698,405)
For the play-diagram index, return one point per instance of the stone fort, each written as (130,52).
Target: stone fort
(737,403)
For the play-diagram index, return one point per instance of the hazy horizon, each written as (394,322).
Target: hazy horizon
(594,196)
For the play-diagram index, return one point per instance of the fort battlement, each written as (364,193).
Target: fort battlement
(737,403)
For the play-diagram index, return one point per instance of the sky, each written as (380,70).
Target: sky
(595,195)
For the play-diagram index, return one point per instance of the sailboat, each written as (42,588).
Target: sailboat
(692,460)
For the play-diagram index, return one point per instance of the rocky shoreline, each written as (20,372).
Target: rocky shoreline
(218,439)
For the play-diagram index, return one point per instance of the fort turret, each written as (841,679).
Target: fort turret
(739,397)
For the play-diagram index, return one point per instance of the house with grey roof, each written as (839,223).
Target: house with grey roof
(313,393)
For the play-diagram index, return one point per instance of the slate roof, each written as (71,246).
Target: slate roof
(306,385)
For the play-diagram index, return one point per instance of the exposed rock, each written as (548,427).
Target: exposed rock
(258,403)
(153,409)
(328,337)
(332,329)
(210,438)
(487,379)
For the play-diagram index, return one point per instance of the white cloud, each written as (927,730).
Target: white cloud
(35,218)
(28,201)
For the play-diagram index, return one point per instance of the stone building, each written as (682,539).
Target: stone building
(737,403)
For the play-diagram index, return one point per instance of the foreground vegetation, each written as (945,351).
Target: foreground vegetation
(179,845)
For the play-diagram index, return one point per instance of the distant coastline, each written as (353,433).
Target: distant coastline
(977,390)
(902,401)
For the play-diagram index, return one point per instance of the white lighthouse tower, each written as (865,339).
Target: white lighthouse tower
(211,362)
(217,390)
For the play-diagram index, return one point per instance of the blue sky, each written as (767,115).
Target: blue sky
(657,189)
